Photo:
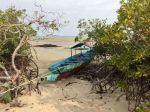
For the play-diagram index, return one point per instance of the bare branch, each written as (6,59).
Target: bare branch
(5,78)
(6,72)
(13,58)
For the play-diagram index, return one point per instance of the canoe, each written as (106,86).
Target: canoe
(63,68)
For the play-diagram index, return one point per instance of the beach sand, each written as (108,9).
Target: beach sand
(57,97)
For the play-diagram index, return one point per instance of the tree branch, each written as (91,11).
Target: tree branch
(5,71)
(13,59)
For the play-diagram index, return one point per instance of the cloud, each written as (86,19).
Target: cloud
(73,9)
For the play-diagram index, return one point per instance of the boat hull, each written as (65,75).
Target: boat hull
(64,68)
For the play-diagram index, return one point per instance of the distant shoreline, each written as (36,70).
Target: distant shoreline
(47,45)
(54,36)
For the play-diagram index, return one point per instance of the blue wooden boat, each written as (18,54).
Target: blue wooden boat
(65,67)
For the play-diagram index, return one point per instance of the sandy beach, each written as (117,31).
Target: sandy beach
(57,96)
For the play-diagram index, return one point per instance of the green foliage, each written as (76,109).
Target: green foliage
(10,24)
(8,39)
(91,29)
(122,84)
(142,109)
(16,63)
(126,41)
(6,98)
(10,16)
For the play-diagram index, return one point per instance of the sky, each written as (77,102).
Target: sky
(73,10)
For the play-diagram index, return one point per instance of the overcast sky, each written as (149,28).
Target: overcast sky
(73,10)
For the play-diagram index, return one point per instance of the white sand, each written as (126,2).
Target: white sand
(57,97)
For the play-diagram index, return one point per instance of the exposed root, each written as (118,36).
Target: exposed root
(107,78)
